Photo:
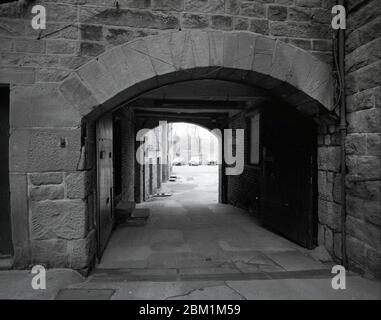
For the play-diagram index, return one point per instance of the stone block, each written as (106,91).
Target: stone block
(299,29)
(78,94)
(91,32)
(53,192)
(78,184)
(364,78)
(337,188)
(364,121)
(284,55)
(128,18)
(321,234)
(216,45)
(364,231)
(300,69)
(51,75)
(241,23)
(29,46)
(276,12)
(329,240)
(200,47)
(329,214)
(355,250)
(299,14)
(221,22)
(54,30)
(253,9)
(168,5)
(264,49)
(337,240)
(116,36)
(17,59)
(373,142)
(49,107)
(96,77)
(363,56)
(61,219)
(329,158)
(355,144)
(211,6)
(39,150)
(194,21)
(139,62)
(308,3)
(321,45)
(17,75)
(366,167)
(81,252)
(19,210)
(325,185)
(50,253)
(91,49)
(61,13)
(12,27)
(38,179)
(373,261)
(160,53)
(367,190)
(61,47)
(367,99)
(181,48)
(259,26)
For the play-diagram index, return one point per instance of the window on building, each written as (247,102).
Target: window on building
(254,138)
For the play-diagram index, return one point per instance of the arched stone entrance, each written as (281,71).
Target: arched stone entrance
(138,66)
(125,72)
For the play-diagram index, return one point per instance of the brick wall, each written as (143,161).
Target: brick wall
(363,52)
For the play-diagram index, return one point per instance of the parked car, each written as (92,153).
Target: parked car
(212,162)
(194,161)
(178,161)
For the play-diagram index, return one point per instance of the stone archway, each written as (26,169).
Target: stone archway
(144,64)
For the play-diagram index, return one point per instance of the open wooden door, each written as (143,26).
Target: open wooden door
(288,201)
(104,134)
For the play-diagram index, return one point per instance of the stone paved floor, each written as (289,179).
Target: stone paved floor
(194,248)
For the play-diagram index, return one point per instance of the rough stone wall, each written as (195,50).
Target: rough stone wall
(363,186)
(329,184)
(61,233)
(78,30)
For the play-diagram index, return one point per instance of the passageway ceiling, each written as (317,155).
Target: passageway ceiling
(199,99)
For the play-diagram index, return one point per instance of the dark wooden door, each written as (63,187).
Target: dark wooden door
(5,221)
(105,181)
(288,173)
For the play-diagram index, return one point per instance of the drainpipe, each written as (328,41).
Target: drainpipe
(343,133)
